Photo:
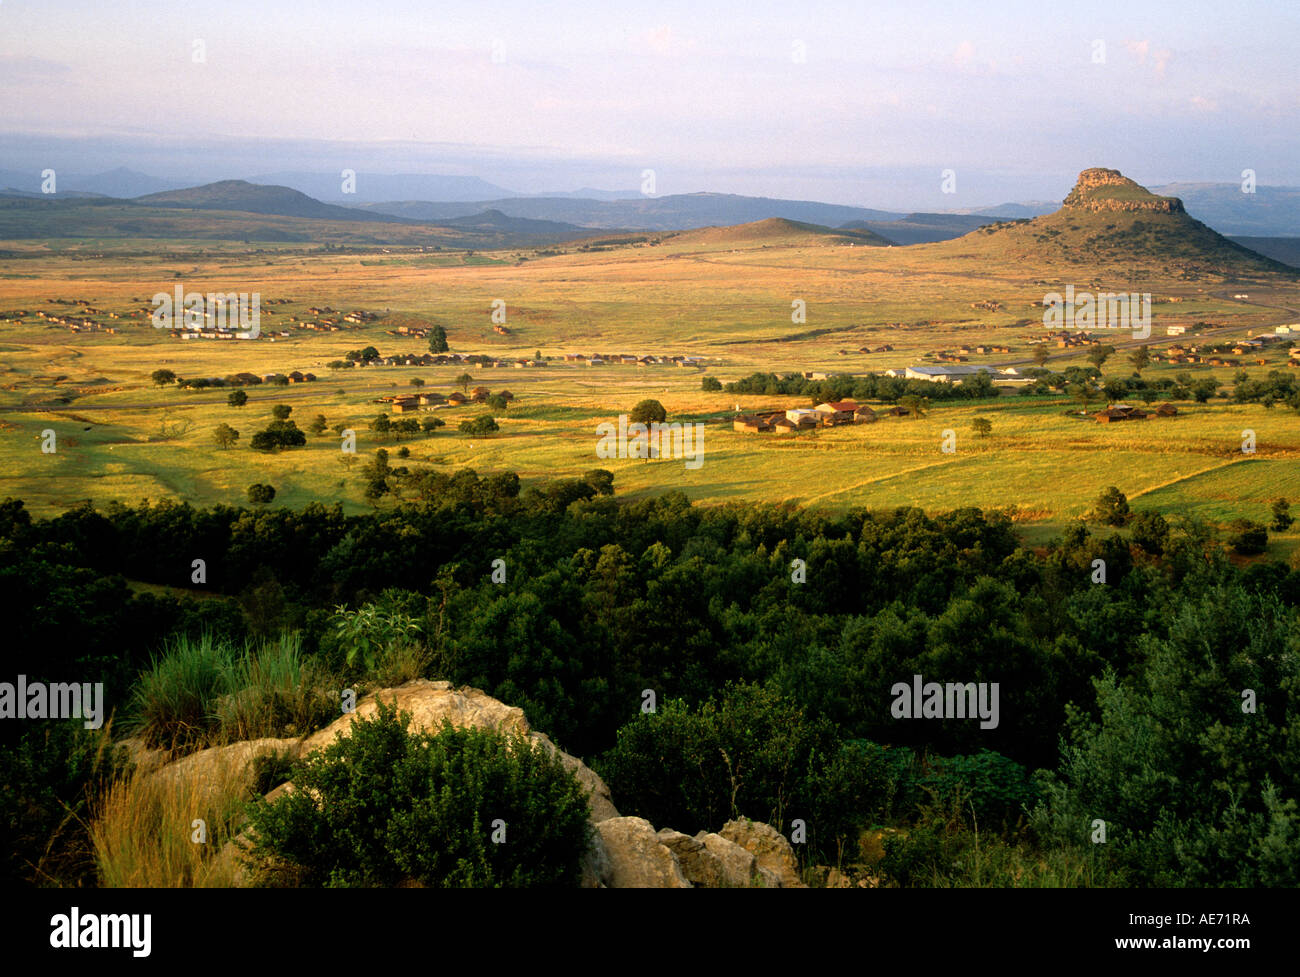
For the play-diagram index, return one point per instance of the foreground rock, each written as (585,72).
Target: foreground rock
(635,858)
(625,852)
(770,850)
(714,862)
(429,703)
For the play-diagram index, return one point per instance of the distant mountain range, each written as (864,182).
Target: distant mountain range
(240,210)
(1268,212)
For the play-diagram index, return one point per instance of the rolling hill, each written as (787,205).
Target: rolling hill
(775,231)
(924,228)
(674,212)
(257,198)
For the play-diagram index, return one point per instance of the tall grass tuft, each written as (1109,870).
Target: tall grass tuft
(274,691)
(143,830)
(174,701)
(202,692)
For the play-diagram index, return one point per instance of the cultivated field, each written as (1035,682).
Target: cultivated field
(728,301)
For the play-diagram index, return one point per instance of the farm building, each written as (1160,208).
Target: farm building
(750,424)
(837,411)
(947,374)
(1120,412)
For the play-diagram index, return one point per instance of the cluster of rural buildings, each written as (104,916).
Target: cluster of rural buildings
(1213,354)
(631,359)
(428,400)
(962,353)
(833,413)
(1124,412)
(957,373)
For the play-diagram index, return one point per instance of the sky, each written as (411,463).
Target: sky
(856,102)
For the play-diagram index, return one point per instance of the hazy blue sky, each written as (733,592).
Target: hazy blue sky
(547,96)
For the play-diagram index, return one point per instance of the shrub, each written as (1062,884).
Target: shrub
(1150,531)
(747,753)
(1282,518)
(1247,538)
(480,425)
(384,806)
(260,494)
(46,782)
(1112,507)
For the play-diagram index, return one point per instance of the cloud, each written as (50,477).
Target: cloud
(1142,49)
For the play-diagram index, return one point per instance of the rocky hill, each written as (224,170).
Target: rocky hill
(1109,225)
(1100,190)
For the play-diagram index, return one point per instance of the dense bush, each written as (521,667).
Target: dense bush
(47,781)
(746,754)
(464,807)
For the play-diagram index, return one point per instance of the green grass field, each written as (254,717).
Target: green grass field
(121,437)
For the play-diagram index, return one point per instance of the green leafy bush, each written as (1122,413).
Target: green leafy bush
(462,808)
(747,753)
(47,780)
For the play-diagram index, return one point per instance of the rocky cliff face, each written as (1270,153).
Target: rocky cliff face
(1099,189)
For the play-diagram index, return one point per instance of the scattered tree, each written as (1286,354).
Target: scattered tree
(417,382)
(914,405)
(480,425)
(438,340)
(1112,507)
(1098,355)
(225,435)
(463,381)
(162,377)
(1040,353)
(710,384)
(278,434)
(1140,358)
(260,494)
(1282,518)
(237,398)
(281,412)
(982,426)
(648,412)
(1247,538)
(318,425)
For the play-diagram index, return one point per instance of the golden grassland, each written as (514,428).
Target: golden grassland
(728,301)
